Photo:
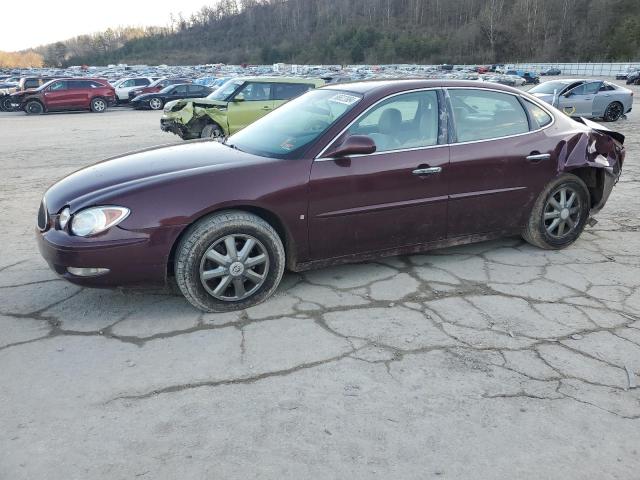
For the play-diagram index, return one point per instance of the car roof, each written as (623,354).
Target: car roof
(387,87)
(315,81)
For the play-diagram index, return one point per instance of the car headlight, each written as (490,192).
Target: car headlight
(63,218)
(94,220)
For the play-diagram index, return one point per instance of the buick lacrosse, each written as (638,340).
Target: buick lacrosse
(343,173)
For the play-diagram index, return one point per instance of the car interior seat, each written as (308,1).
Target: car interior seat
(389,127)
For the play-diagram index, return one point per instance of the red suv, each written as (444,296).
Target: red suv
(93,94)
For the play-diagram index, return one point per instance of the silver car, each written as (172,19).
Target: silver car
(586,98)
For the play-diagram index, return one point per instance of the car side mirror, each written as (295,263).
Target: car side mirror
(353,145)
(239,98)
(567,94)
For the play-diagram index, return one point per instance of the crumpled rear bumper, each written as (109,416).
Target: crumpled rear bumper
(599,148)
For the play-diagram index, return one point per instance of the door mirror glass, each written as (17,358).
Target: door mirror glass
(353,145)
(239,98)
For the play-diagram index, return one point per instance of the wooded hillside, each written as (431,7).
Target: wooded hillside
(374,31)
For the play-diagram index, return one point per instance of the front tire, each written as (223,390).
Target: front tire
(559,214)
(33,108)
(613,112)
(5,104)
(213,131)
(229,261)
(98,105)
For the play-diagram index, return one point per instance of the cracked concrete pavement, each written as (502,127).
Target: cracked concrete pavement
(494,360)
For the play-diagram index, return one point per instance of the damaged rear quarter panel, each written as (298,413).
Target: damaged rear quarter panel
(596,154)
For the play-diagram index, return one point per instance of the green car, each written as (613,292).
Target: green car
(236,104)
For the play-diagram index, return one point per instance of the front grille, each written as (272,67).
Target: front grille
(43,217)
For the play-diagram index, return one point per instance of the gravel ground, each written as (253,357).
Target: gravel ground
(489,361)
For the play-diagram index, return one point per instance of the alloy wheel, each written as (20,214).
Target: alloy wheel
(234,267)
(98,105)
(562,212)
(613,112)
(155,104)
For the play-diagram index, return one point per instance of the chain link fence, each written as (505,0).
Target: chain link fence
(581,69)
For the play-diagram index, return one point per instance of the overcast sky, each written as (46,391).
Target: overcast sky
(48,21)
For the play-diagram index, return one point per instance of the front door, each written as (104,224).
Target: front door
(58,95)
(250,103)
(500,161)
(394,197)
(578,102)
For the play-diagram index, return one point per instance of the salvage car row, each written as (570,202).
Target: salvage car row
(193,110)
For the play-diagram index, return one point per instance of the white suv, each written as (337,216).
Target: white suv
(124,85)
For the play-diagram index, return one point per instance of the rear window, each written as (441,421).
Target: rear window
(31,83)
(538,116)
(482,115)
(287,91)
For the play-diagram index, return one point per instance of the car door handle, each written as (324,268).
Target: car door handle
(536,157)
(427,170)
(266,108)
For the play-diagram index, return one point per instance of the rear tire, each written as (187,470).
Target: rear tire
(98,105)
(156,103)
(229,261)
(213,131)
(33,107)
(557,219)
(613,112)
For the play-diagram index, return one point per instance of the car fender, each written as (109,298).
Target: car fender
(215,114)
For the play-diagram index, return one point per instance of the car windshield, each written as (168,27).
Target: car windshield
(549,87)
(296,124)
(225,90)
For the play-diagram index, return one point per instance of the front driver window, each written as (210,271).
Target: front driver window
(403,121)
(255,92)
(58,86)
(587,88)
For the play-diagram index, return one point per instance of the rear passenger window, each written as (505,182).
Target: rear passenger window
(482,115)
(78,84)
(141,82)
(538,116)
(287,91)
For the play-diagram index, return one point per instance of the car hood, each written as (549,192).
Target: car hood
(202,102)
(102,182)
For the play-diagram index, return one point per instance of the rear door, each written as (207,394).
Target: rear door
(80,93)
(500,160)
(578,102)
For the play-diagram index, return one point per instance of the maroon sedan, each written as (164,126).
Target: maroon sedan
(340,174)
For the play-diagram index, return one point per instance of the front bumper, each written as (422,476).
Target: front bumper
(139,104)
(132,258)
(169,125)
